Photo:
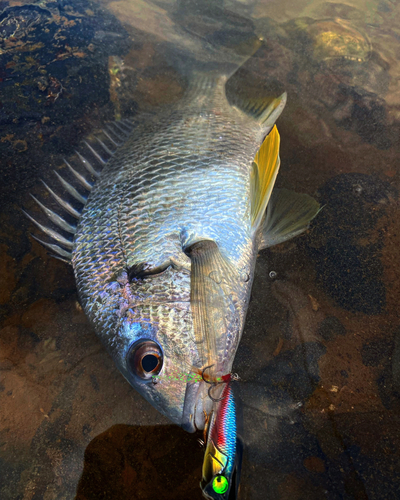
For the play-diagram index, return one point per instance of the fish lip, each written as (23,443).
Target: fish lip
(188,422)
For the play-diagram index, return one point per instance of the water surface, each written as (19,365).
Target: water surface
(320,355)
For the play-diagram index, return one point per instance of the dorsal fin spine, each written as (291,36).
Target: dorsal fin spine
(122,130)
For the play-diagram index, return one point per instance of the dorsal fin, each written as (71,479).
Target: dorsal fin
(263,175)
(117,133)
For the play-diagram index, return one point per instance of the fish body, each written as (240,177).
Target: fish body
(182,177)
(224,449)
(165,248)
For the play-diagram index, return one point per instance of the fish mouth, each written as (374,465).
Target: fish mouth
(196,406)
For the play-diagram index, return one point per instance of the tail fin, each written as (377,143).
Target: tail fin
(209,38)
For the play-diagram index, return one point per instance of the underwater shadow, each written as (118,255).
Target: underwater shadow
(137,462)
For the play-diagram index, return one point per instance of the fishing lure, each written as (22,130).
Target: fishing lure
(224,449)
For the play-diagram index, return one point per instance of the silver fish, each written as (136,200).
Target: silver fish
(165,248)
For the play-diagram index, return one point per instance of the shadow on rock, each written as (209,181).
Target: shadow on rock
(129,462)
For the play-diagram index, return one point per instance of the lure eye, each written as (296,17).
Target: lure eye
(145,359)
(220,484)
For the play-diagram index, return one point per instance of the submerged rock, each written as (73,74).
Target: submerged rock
(53,73)
(345,245)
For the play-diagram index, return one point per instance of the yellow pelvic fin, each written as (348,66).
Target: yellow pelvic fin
(263,175)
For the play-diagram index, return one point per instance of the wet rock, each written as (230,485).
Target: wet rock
(388,390)
(23,263)
(363,112)
(293,373)
(304,315)
(384,355)
(396,362)
(377,352)
(60,65)
(314,464)
(54,70)
(328,39)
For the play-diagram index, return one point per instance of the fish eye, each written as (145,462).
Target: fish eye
(145,359)
(220,484)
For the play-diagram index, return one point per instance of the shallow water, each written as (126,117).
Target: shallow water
(319,360)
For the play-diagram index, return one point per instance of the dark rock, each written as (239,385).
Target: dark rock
(330,328)
(377,352)
(345,244)
(54,70)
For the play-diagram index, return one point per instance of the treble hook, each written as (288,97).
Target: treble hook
(202,375)
(209,393)
(232,377)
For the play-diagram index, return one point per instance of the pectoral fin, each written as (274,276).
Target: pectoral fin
(212,307)
(265,169)
(288,215)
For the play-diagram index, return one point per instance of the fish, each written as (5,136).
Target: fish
(163,230)
(224,449)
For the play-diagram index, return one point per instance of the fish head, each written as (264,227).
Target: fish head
(164,372)
(172,345)
(154,346)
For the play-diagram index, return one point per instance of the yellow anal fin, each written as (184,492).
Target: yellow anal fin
(263,175)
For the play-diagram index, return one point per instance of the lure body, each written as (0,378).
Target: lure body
(223,455)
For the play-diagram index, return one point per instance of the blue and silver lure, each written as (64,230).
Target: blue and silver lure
(224,450)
